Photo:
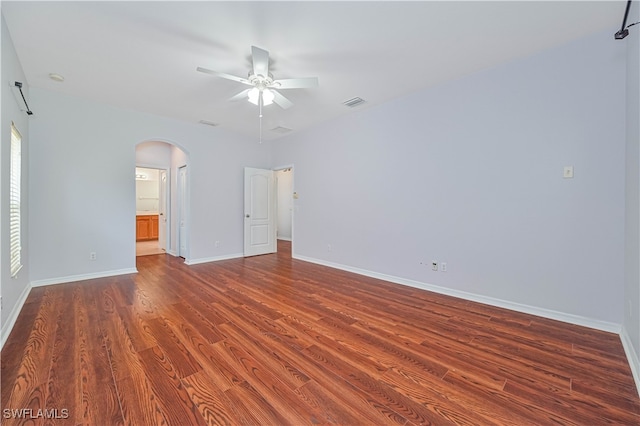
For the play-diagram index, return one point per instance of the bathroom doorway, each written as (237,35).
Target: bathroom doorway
(151,211)
(285,196)
(162,160)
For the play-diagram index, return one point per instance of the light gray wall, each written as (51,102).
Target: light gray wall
(631,321)
(156,154)
(82,161)
(12,289)
(471,173)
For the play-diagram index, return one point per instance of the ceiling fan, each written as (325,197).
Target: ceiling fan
(264,88)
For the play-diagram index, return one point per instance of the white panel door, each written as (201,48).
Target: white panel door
(259,212)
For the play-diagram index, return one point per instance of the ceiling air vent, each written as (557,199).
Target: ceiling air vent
(353,102)
(208,123)
(281,130)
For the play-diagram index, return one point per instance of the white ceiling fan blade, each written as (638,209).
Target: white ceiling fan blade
(281,101)
(224,75)
(240,96)
(260,61)
(296,83)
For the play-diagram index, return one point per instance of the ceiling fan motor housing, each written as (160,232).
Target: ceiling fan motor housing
(260,81)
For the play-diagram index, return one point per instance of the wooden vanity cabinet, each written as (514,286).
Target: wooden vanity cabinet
(146,227)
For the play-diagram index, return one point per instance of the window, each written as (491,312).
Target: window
(15,242)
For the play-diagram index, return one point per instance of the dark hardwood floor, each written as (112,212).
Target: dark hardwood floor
(273,341)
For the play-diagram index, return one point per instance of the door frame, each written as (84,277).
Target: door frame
(182,190)
(167,195)
(293,200)
(167,210)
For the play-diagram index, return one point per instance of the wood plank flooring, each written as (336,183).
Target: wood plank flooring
(273,341)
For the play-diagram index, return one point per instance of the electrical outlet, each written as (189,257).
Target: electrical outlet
(434,265)
(93,255)
(217,243)
(443,266)
(329,248)
(567,172)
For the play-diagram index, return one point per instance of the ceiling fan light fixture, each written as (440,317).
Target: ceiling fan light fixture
(254,95)
(267,97)
(264,90)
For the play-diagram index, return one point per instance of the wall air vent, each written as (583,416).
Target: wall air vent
(354,102)
(208,123)
(281,130)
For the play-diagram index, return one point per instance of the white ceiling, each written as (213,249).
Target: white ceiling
(143,55)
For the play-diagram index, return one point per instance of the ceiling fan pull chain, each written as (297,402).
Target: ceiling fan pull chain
(260,108)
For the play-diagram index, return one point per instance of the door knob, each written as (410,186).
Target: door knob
(247,215)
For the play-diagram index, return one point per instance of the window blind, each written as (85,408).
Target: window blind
(15,242)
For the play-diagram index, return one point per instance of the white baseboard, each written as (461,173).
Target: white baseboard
(213,259)
(542,312)
(632,357)
(284,238)
(82,277)
(7,326)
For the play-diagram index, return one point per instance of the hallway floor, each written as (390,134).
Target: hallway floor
(146,248)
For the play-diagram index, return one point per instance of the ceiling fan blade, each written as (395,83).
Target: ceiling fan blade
(296,83)
(260,61)
(224,75)
(240,96)
(281,101)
